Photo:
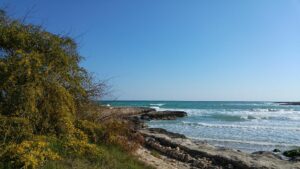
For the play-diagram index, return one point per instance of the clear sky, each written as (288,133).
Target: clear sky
(181,49)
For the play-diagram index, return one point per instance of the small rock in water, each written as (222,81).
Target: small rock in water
(276,150)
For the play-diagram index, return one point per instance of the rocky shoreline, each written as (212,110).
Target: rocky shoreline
(195,154)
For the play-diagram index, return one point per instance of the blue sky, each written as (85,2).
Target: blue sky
(181,50)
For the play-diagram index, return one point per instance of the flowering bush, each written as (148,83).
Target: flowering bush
(28,154)
(95,132)
(14,129)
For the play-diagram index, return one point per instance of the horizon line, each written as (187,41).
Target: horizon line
(197,100)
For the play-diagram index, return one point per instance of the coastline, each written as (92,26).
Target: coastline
(193,153)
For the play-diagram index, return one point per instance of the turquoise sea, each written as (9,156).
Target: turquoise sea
(246,126)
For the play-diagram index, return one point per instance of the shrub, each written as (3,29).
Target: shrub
(28,154)
(116,132)
(95,132)
(14,129)
(79,148)
(119,133)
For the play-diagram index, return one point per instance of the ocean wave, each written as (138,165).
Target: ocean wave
(242,115)
(155,107)
(157,104)
(239,126)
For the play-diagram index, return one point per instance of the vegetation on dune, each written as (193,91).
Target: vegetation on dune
(46,105)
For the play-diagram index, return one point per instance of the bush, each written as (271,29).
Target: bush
(95,132)
(14,129)
(28,154)
(74,148)
(43,96)
(78,148)
(119,133)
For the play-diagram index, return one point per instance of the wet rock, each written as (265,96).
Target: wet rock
(276,150)
(292,153)
(163,115)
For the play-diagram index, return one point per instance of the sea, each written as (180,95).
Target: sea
(245,126)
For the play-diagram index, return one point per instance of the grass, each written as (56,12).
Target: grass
(113,158)
(155,153)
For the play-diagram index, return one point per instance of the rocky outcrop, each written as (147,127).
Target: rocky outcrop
(201,155)
(163,115)
(181,155)
(168,133)
(292,153)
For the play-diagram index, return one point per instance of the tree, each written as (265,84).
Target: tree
(40,77)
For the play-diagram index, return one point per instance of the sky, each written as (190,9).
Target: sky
(205,50)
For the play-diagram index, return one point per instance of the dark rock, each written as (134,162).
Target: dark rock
(292,153)
(163,115)
(145,117)
(261,152)
(168,133)
(276,150)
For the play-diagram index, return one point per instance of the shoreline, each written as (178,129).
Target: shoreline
(196,153)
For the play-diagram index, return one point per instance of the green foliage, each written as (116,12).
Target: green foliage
(28,154)
(95,132)
(113,132)
(40,77)
(112,158)
(14,129)
(117,132)
(46,104)
(292,153)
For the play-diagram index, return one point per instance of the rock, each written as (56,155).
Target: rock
(292,153)
(187,158)
(168,133)
(148,139)
(145,117)
(268,154)
(163,115)
(276,150)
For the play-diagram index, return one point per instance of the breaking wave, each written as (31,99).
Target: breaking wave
(240,126)
(242,115)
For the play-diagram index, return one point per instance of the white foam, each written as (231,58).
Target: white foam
(157,104)
(155,107)
(240,126)
(284,114)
